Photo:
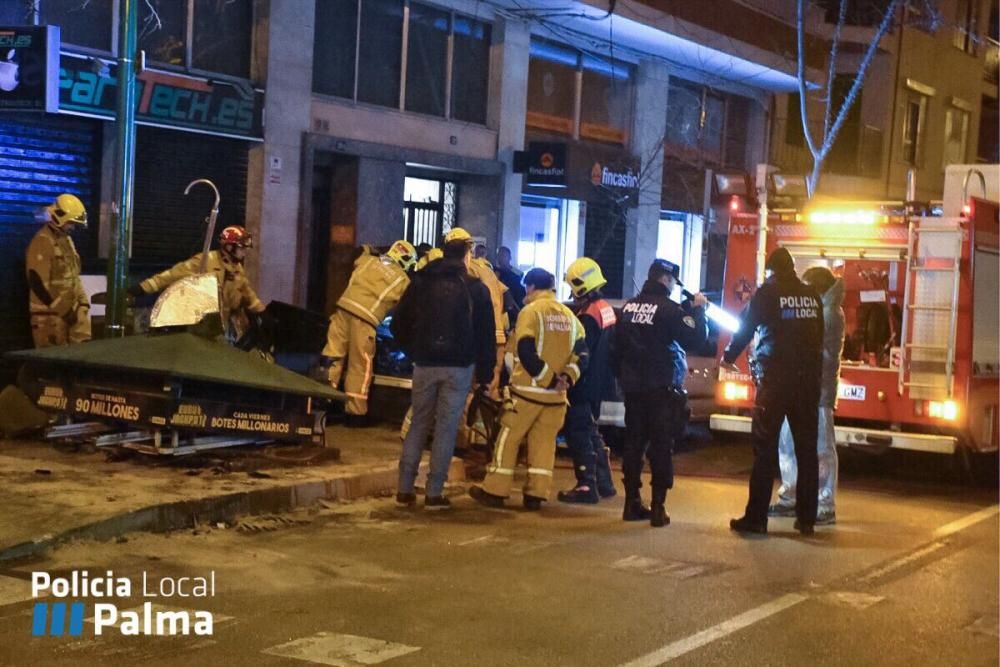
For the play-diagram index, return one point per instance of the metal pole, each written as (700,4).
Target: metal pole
(121,228)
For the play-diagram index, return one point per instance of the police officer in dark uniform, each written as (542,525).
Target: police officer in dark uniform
(788,316)
(649,360)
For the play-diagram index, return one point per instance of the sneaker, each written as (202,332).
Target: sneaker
(804,528)
(435,503)
(406,499)
(533,503)
(581,494)
(826,518)
(781,510)
(745,525)
(485,498)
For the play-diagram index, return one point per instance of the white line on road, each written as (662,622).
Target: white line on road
(965,522)
(688,644)
(748,618)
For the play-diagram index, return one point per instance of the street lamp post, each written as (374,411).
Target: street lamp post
(121,228)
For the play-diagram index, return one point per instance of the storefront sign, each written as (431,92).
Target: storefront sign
(591,172)
(622,180)
(29,61)
(546,164)
(208,415)
(87,86)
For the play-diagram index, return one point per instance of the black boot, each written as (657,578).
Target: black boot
(658,514)
(634,509)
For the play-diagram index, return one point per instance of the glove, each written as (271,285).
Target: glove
(135,290)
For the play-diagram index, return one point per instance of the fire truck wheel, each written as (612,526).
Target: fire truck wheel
(980,469)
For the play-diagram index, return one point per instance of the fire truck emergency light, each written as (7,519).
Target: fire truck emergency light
(859,217)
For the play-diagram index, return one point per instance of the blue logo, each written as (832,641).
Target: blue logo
(59,617)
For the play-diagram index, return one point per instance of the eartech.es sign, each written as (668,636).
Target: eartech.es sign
(88,87)
(29,56)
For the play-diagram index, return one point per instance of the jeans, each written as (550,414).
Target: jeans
(438,398)
(826,449)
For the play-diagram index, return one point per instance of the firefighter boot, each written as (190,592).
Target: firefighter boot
(658,516)
(581,494)
(605,486)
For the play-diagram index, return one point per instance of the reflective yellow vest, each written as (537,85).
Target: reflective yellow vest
(480,268)
(556,332)
(52,255)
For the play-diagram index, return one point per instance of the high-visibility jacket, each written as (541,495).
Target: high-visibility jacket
(52,257)
(549,341)
(376,286)
(238,297)
(480,268)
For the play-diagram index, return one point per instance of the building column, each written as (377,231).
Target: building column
(507,109)
(283,50)
(649,127)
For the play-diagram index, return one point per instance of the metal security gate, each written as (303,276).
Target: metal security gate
(41,157)
(423,222)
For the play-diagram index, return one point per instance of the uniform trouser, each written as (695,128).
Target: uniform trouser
(826,451)
(774,405)
(353,338)
(497,371)
(650,421)
(51,329)
(540,423)
(439,392)
(590,456)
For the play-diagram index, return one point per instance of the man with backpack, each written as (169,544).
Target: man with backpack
(444,322)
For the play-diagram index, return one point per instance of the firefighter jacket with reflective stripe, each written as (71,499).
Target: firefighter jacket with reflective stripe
(787,315)
(55,286)
(238,297)
(648,350)
(597,317)
(549,341)
(376,286)
(480,268)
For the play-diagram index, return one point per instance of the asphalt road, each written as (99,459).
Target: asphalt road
(909,576)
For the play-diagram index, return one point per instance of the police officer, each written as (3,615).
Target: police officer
(590,455)
(376,285)
(239,300)
(551,353)
(650,362)
(787,315)
(58,305)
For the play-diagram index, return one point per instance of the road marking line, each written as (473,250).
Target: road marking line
(14,590)
(906,560)
(735,624)
(965,522)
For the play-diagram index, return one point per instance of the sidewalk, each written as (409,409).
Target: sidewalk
(50,494)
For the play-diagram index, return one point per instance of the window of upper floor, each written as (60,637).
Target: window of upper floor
(193,35)
(706,126)
(403,55)
(577,94)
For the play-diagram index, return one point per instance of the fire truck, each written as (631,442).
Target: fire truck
(921,367)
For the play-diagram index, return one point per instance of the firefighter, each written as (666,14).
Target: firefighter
(591,461)
(376,285)
(787,316)
(551,353)
(240,302)
(648,355)
(58,305)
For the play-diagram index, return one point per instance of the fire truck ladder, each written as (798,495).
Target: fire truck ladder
(933,275)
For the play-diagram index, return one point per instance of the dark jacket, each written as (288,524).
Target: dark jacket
(445,318)
(598,319)
(650,339)
(788,316)
(512,279)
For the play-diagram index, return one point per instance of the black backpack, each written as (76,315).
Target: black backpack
(445,323)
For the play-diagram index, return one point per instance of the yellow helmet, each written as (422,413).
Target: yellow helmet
(67,210)
(584,276)
(403,253)
(432,255)
(458,234)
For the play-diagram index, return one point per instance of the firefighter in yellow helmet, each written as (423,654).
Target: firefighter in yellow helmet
(58,305)
(239,300)
(376,285)
(551,354)
(590,455)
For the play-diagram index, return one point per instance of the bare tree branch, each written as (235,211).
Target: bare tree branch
(832,72)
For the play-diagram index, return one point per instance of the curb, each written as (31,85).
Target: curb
(188,513)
